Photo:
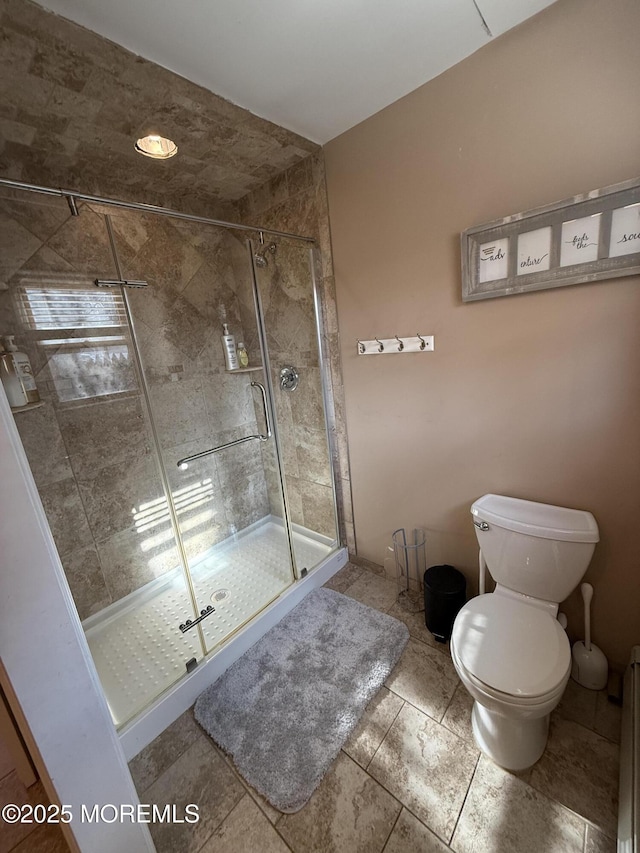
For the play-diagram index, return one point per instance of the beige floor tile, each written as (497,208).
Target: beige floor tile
(198,776)
(503,814)
(578,704)
(343,579)
(598,842)
(373,726)
(245,830)
(426,767)
(416,625)
(608,717)
(160,754)
(411,836)
(458,720)
(425,677)
(373,590)
(265,806)
(457,717)
(412,760)
(579,769)
(348,812)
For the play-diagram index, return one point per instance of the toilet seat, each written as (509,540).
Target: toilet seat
(512,650)
(506,700)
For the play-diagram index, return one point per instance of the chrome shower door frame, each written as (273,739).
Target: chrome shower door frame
(328,410)
(270,407)
(325,375)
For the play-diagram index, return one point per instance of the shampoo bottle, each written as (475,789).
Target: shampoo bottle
(229,346)
(16,375)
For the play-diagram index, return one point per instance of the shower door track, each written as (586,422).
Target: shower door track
(72,196)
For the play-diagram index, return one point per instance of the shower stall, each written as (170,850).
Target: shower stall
(183,498)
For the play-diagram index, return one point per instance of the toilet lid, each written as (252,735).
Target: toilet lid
(511,646)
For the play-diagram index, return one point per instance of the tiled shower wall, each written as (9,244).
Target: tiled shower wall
(72,103)
(90,445)
(292,341)
(296,200)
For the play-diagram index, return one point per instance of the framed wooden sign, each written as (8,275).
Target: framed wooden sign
(586,238)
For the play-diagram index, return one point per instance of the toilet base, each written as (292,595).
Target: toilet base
(514,744)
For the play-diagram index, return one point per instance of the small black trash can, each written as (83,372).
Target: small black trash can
(444,595)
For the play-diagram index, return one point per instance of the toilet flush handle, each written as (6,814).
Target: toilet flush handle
(481,525)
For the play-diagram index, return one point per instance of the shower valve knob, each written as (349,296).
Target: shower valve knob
(289,378)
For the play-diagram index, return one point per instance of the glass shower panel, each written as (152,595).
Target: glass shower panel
(90,447)
(230,521)
(285,282)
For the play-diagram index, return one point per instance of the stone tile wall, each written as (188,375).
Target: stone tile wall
(90,444)
(72,105)
(296,202)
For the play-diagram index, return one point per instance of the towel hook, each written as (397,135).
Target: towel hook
(380,345)
(400,344)
(423,343)
(361,348)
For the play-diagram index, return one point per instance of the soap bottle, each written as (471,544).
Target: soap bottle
(229,346)
(16,375)
(243,355)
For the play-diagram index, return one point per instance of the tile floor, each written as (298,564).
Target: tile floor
(409,779)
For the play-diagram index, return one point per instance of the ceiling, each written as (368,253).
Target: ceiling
(317,68)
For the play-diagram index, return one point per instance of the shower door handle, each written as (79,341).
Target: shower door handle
(184,463)
(191,623)
(267,421)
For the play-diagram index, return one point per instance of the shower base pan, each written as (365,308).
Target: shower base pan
(136,645)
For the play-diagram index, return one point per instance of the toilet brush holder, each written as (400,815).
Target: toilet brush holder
(589,665)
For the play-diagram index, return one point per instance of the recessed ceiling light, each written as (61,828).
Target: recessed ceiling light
(157,147)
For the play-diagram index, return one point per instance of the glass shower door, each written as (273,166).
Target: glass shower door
(183,498)
(290,306)
(89,442)
(212,425)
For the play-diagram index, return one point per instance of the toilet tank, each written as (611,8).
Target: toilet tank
(536,549)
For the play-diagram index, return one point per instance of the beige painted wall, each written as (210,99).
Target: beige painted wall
(538,395)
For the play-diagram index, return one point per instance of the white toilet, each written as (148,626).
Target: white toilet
(508,647)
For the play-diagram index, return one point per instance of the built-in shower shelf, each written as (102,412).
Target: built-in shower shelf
(27,408)
(245,369)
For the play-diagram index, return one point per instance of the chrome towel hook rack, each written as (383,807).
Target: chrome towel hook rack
(396,344)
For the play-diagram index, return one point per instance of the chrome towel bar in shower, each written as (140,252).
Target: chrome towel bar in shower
(184,463)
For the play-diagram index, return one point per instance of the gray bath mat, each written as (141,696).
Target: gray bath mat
(285,708)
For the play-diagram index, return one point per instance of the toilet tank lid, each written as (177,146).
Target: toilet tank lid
(537,519)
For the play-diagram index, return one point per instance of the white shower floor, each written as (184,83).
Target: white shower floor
(137,646)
